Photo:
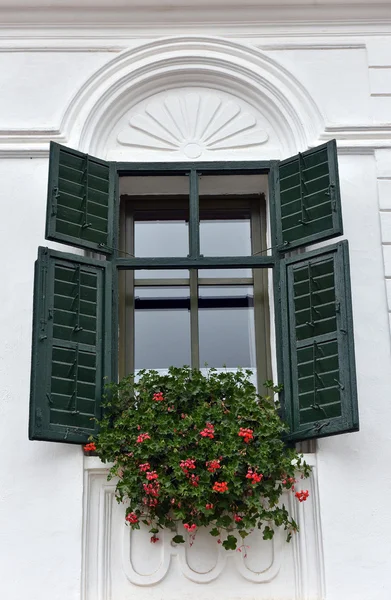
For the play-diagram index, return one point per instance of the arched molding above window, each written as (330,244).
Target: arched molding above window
(254,92)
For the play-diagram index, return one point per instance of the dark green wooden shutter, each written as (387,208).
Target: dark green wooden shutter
(317,358)
(81,197)
(307,198)
(71,345)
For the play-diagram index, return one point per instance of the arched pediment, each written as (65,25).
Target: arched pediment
(192,97)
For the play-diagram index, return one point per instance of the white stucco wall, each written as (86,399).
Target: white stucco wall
(331,82)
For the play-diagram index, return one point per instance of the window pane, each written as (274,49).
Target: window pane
(225,237)
(226,326)
(156,212)
(161,238)
(162,327)
(161,274)
(227,203)
(231,273)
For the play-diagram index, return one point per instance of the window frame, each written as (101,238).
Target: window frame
(254,207)
(195,260)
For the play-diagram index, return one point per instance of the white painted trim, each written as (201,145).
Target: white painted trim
(352,12)
(103,519)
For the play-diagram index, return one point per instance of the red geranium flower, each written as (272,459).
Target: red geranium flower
(131,518)
(220,487)
(302,496)
(208,431)
(89,447)
(142,437)
(246,434)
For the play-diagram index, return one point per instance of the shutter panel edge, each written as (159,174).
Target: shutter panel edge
(44,318)
(336,229)
(105,245)
(349,419)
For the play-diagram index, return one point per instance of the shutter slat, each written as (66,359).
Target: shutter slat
(307,198)
(69,357)
(317,358)
(81,199)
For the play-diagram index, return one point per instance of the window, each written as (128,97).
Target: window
(154,226)
(217,317)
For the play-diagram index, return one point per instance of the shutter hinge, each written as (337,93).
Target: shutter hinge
(319,426)
(55,196)
(331,193)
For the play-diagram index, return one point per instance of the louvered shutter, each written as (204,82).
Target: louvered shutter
(307,198)
(81,199)
(317,349)
(71,342)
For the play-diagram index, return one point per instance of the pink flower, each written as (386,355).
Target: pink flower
(145,467)
(158,397)
(302,496)
(190,528)
(154,539)
(237,518)
(152,489)
(151,475)
(255,477)
(213,465)
(142,437)
(194,479)
(208,431)
(131,518)
(187,465)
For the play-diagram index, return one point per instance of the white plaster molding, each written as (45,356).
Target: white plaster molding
(135,74)
(241,71)
(111,569)
(190,123)
(218,64)
(106,37)
(383,164)
(116,12)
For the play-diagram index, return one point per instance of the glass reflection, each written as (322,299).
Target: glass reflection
(162,327)
(226,327)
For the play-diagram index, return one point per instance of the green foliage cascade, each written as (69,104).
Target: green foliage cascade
(172,437)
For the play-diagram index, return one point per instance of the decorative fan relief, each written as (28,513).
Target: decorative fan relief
(192,124)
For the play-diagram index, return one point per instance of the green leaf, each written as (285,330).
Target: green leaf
(178,539)
(230,543)
(225,521)
(215,532)
(268,533)
(243,533)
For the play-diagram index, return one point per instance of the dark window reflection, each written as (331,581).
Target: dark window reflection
(226,326)
(162,327)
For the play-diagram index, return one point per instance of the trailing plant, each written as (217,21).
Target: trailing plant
(202,449)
